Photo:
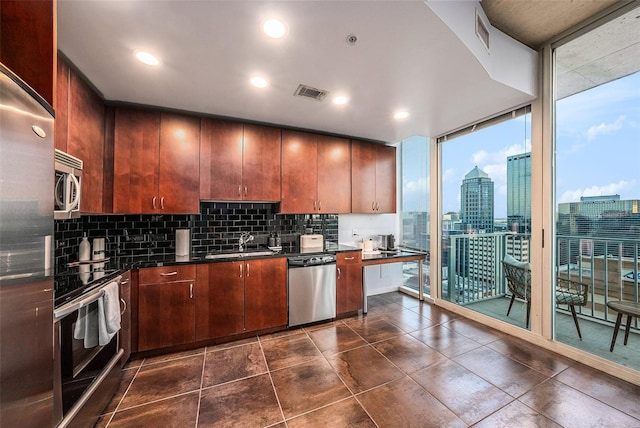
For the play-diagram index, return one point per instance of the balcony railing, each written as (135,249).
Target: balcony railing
(472,268)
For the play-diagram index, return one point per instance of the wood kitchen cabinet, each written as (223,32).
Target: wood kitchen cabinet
(156,162)
(28,43)
(348,282)
(373,175)
(220,304)
(237,297)
(80,131)
(125,319)
(315,173)
(239,161)
(166,306)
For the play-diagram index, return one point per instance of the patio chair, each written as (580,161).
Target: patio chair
(518,276)
(568,291)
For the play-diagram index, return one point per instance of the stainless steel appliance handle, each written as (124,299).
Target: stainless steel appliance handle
(76,185)
(89,298)
(174,273)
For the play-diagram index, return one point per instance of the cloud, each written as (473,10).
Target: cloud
(421,185)
(607,189)
(604,128)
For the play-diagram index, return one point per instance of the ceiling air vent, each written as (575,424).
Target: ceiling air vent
(482,30)
(309,92)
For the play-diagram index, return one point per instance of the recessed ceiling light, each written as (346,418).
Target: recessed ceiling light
(259,82)
(274,28)
(147,58)
(340,100)
(401,115)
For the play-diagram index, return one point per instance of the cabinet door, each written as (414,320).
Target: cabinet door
(136,160)
(299,172)
(86,141)
(166,314)
(61,132)
(221,160)
(220,302)
(265,293)
(349,282)
(363,177)
(179,163)
(125,320)
(261,163)
(334,175)
(386,179)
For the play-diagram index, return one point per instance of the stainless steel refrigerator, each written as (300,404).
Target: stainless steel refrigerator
(26,277)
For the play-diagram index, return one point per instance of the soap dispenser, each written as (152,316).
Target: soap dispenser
(85,249)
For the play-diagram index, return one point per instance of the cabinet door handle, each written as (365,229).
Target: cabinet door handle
(240,270)
(248,273)
(377,206)
(245,190)
(191,291)
(349,258)
(124,307)
(162,203)
(315,205)
(338,273)
(319,205)
(174,273)
(153,202)
(239,190)
(373,206)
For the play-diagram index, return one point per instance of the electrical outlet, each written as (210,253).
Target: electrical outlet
(354,232)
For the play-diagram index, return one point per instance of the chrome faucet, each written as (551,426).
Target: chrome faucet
(244,238)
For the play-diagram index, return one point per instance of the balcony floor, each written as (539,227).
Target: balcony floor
(596,337)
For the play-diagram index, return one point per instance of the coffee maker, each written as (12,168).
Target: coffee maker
(388,242)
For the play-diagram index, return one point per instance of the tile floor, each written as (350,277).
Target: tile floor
(404,364)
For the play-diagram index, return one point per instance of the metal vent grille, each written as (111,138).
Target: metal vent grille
(309,92)
(67,159)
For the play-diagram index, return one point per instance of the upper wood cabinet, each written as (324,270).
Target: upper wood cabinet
(179,164)
(239,161)
(28,43)
(315,173)
(156,167)
(80,131)
(373,175)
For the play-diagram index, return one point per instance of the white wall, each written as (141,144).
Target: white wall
(381,278)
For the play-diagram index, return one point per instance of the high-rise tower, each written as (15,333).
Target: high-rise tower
(476,196)
(519,193)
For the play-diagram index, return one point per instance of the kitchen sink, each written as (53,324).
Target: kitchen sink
(239,255)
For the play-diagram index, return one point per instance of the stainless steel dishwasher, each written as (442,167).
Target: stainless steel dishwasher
(312,288)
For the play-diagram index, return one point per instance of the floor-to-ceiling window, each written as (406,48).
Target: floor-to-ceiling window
(597,183)
(486,214)
(415,209)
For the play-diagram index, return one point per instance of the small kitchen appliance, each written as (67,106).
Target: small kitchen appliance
(388,242)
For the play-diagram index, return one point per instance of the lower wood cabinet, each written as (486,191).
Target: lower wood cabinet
(348,282)
(166,306)
(125,320)
(236,297)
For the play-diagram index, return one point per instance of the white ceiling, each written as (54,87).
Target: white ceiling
(405,58)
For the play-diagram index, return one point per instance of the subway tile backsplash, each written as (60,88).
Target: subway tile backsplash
(216,228)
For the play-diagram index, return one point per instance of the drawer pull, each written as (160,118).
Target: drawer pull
(174,273)
(240,270)
(191,291)
(248,270)
(124,306)
(349,258)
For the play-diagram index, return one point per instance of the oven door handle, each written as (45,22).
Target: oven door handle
(74,305)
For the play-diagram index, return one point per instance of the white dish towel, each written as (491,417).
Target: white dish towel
(86,328)
(108,313)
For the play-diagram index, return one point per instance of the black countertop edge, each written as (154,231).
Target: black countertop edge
(124,263)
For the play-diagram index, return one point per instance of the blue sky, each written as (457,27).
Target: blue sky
(598,150)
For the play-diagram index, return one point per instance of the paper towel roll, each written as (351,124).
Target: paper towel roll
(368,245)
(183,242)
(98,249)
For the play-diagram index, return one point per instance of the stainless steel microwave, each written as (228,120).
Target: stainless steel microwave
(68,186)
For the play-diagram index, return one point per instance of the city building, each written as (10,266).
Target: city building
(477,204)
(519,193)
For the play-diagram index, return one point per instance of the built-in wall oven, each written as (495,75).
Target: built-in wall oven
(87,355)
